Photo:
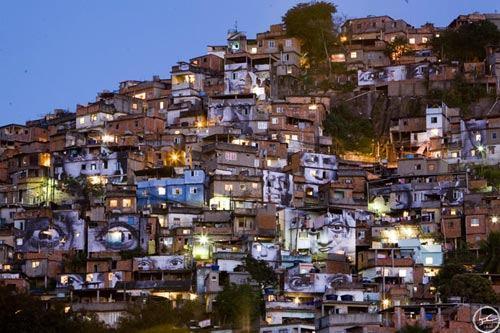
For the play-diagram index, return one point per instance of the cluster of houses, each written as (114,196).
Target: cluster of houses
(163,187)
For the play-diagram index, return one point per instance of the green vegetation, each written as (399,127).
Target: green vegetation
(260,272)
(350,131)
(490,173)
(490,249)
(82,190)
(158,313)
(398,48)
(461,94)
(312,23)
(24,313)
(467,43)
(238,306)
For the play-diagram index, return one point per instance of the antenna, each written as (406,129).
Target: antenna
(236,25)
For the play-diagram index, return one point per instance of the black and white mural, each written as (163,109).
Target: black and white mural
(320,233)
(164,263)
(122,233)
(313,282)
(63,232)
(233,112)
(89,281)
(319,168)
(278,187)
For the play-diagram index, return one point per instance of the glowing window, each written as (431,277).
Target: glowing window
(429,260)
(474,222)
(354,55)
(113,203)
(162,191)
(127,203)
(81,120)
(35,264)
(411,40)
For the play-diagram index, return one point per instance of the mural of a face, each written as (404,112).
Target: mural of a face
(63,232)
(160,263)
(73,281)
(314,282)
(265,251)
(231,113)
(278,187)
(336,235)
(319,168)
(117,236)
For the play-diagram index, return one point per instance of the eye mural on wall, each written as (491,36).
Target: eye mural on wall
(118,235)
(237,114)
(313,282)
(265,251)
(334,233)
(169,263)
(64,231)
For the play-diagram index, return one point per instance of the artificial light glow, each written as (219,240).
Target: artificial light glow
(296,300)
(343,39)
(386,302)
(203,239)
(480,149)
(108,138)
(494,219)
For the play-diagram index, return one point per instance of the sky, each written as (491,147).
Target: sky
(59,53)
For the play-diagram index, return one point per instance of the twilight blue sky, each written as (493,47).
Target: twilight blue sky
(57,53)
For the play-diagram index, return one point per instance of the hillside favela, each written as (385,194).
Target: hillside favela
(331,174)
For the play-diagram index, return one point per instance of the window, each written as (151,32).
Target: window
(295,137)
(434,120)
(84,166)
(234,75)
(193,190)
(432,167)
(271,43)
(478,137)
(279,109)
(243,187)
(262,125)
(231,156)
(113,203)
(402,273)
(494,135)
(491,149)
(429,260)
(105,164)
(19,241)
(162,105)
(253,50)
(93,166)
(176,191)
(425,40)
(474,222)
(93,117)
(412,40)
(127,203)
(35,264)
(354,55)
(274,121)
(228,187)
(255,185)
(162,191)
(418,167)
(81,120)
(136,123)
(285,57)
(134,106)
(288,43)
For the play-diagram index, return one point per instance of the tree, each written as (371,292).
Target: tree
(82,190)
(153,312)
(312,23)
(238,306)
(350,132)
(260,272)
(443,279)
(24,313)
(415,329)
(472,288)
(491,251)
(398,48)
(467,43)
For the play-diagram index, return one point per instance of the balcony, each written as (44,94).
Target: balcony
(213,230)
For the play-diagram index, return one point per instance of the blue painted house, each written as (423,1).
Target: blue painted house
(187,189)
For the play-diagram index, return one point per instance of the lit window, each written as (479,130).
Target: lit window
(295,137)
(93,117)
(228,187)
(411,40)
(176,191)
(402,273)
(82,120)
(19,241)
(262,125)
(478,137)
(255,185)
(113,203)
(354,55)
(127,203)
(35,264)
(474,222)
(253,50)
(429,260)
(424,40)
(162,191)
(134,106)
(274,121)
(162,105)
